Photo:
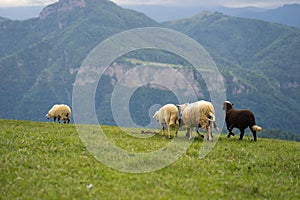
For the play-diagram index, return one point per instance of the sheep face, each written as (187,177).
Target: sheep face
(227,106)
(48,116)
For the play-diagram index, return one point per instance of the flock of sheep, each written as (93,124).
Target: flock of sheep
(200,114)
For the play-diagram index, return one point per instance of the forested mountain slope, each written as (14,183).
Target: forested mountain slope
(39,59)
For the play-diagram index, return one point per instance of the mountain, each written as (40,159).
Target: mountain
(287,14)
(40,57)
(260,61)
(239,11)
(166,13)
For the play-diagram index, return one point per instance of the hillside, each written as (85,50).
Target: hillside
(49,161)
(40,57)
(258,59)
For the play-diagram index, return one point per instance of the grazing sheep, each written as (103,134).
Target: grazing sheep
(167,115)
(198,114)
(61,111)
(240,119)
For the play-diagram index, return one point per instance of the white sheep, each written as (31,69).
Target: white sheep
(60,111)
(198,114)
(168,115)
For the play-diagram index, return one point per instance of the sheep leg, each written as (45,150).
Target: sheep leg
(163,130)
(197,130)
(187,133)
(190,133)
(216,127)
(54,120)
(242,133)
(169,131)
(230,132)
(177,127)
(200,135)
(209,134)
(253,133)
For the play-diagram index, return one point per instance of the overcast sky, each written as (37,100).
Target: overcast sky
(203,3)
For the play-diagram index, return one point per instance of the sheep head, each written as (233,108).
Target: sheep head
(156,115)
(227,105)
(183,106)
(48,115)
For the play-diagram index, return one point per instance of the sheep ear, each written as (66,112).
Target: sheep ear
(155,114)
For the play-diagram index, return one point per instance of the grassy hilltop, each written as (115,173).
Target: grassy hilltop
(49,161)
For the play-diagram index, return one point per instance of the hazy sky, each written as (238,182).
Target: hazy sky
(203,3)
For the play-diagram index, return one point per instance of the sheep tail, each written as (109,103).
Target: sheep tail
(213,117)
(256,128)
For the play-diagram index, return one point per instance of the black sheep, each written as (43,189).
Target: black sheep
(240,119)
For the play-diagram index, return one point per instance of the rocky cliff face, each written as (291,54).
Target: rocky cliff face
(181,80)
(61,6)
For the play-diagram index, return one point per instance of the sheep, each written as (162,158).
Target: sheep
(168,115)
(198,114)
(61,111)
(240,119)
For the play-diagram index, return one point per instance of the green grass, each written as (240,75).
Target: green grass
(49,161)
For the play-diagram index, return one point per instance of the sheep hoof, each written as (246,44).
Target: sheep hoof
(230,134)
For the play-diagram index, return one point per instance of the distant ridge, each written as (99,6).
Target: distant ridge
(287,14)
(2,19)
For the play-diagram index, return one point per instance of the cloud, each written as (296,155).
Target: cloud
(202,3)
(164,2)
(25,3)
(209,3)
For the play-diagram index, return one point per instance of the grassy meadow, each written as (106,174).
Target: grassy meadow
(49,161)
